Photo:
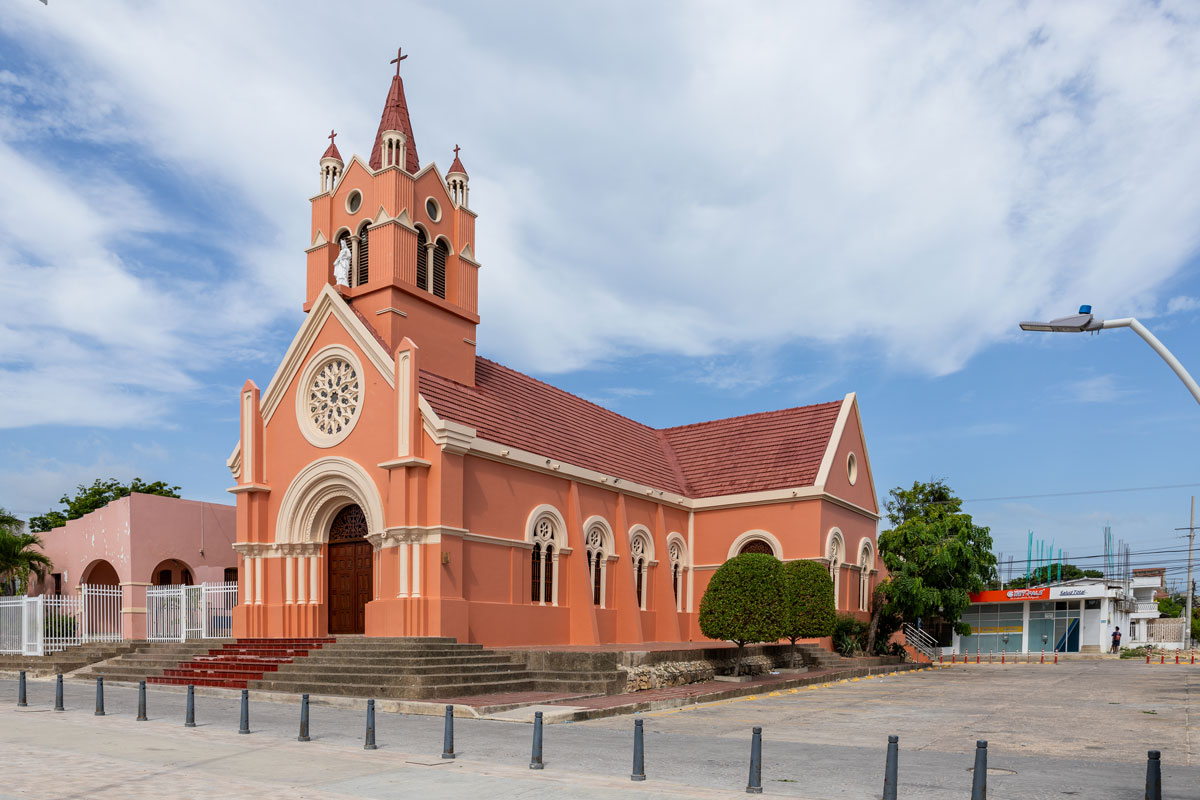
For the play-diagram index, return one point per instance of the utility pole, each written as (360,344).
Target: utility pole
(1189,588)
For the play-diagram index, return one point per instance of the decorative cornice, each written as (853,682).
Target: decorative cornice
(277,549)
(249,488)
(409,461)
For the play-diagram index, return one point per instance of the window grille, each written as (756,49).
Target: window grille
(440,252)
(362,276)
(422,260)
(544,564)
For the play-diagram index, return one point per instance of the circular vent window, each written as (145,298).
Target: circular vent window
(354,201)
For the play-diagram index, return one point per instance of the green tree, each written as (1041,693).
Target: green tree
(18,556)
(745,602)
(935,554)
(99,494)
(1170,606)
(810,604)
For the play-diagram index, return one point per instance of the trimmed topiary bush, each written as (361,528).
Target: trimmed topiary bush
(810,607)
(745,602)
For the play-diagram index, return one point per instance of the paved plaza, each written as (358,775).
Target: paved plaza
(1073,730)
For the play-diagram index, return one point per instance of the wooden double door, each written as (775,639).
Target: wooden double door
(350,571)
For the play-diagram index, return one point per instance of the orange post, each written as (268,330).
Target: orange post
(1176,656)
(1043,655)
(1162,658)
(1056,655)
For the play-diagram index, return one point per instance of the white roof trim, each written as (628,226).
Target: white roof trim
(834,439)
(328,304)
(507,454)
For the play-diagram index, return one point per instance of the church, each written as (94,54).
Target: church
(392,482)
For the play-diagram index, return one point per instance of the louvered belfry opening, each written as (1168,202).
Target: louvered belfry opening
(363,271)
(440,252)
(422,260)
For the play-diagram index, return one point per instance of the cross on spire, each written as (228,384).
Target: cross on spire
(456,149)
(399,57)
(331,137)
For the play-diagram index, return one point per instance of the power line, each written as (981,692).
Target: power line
(1080,493)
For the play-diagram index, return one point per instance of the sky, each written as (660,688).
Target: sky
(684,214)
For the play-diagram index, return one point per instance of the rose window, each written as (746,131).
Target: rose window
(333,397)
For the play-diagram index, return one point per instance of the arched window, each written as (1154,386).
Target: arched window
(361,274)
(440,251)
(597,562)
(757,546)
(866,564)
(422,260)
(836,557)
(639,549)
(544,563)
(675,553)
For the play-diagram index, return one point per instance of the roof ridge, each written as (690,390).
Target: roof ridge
(748,416)
(673,461)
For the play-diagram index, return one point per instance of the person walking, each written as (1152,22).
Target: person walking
(1116,640)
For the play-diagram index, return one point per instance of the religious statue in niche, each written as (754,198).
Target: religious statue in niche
(341,266)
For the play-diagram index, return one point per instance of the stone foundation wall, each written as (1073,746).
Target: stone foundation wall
(680,673)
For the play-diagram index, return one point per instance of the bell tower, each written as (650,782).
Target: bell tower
(411,238)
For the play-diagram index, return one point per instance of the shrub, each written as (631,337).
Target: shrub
(810,605)
(849,635)
(745,602)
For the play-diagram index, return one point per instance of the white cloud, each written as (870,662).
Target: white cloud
(1182,303)
(1096,389)
(907,179)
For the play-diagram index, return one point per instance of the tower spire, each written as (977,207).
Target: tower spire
(395,118)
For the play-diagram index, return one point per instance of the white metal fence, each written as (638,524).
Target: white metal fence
(35,626)
(180,613)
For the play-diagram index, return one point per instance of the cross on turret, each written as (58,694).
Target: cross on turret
(332,135)
(399,57)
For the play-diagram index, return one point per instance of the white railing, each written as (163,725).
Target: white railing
(922,642)
(179,613)
(34,626)
(1143,608)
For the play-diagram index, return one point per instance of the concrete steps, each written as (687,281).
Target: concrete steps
(64,661)
(147,660)
(238,663)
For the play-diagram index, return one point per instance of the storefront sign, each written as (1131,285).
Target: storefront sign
(1011,595)
(1089,590)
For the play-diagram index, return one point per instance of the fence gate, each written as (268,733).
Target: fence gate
(180,613)
(31,627)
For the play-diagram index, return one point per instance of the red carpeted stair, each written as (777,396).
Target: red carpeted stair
(233,665)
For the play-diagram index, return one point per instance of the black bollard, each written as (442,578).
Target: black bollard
(892,768)
(448,736)
(189,719)
(639,754)
(58,694)
(535,761)
(1153,776)
(979,780)
(141,717)
(244,726)
(754,785)
(21,691)
(303,737)
(369,742)
(100,696)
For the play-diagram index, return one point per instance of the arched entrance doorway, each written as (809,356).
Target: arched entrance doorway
(350,571)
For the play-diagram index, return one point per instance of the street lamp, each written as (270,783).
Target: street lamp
(1084,321)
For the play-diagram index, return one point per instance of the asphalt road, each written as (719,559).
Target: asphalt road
(1080,729)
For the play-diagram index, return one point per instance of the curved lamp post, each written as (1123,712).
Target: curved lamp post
(1085,322)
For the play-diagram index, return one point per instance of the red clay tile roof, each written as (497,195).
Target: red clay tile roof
(773,450)
(395,118)
(332,152)
(457,166)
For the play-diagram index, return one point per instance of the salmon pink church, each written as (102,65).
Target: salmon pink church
(392,482)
